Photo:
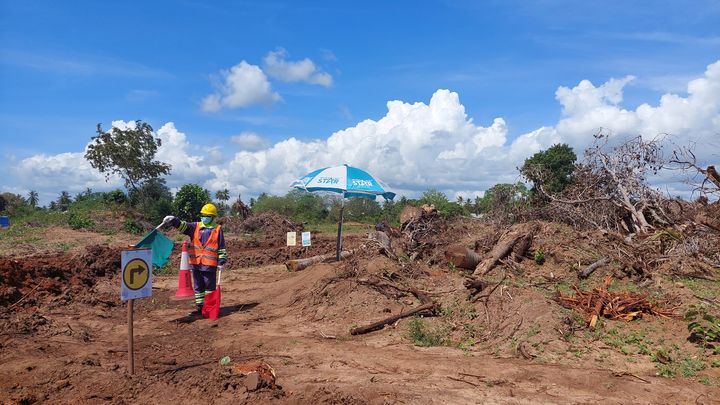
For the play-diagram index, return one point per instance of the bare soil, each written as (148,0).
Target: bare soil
(64,333)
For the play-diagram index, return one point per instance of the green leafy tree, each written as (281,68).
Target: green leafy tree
(153,199)
(444,206)
(391,210)
(32,198)
(297,204)
(550,169)
(357,209)
(14,204)
(64,201)
(116,196)
(129,153)
(189,200)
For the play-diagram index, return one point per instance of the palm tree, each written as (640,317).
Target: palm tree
(222,195)
(64,201)
(33,198)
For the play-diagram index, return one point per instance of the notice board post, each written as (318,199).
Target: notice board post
(136,283)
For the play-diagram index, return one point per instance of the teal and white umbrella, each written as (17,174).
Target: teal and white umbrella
(346,180)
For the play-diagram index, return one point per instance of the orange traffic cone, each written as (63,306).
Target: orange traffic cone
(184,279)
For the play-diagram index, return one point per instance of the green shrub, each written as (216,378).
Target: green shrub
(540,256)
(421,336)
(79,221)
(704,328)
(131,226)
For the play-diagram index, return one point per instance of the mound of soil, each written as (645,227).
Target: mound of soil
(28,280)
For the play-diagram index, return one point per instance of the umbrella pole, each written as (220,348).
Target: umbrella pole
(339,235)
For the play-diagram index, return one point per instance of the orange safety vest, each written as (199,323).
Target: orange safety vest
(208,254)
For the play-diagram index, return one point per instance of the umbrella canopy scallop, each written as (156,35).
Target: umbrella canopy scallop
(346,180)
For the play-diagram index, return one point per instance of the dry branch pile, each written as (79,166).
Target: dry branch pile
(422,228)
(611,305)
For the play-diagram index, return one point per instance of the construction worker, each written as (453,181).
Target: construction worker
(206,253)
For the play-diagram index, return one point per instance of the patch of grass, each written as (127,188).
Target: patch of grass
(349,228)
(702,288)
(64,246)
(166,270)
(422,336)
(627,286)
(689,367)
(534,330)
(564,288)
(665,370)
(704,380)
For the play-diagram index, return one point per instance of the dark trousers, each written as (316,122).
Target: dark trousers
(204,281)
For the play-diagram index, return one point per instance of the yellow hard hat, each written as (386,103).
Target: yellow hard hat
(209,210)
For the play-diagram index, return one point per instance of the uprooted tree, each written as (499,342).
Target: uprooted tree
(610,188)
(705,180)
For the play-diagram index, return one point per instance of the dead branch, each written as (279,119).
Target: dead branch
(487,296)
(429,307)
(301,264)
(591,268)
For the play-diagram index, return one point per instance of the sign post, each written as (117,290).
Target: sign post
(136,283)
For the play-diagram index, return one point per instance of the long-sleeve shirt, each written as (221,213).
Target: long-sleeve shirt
(188,228)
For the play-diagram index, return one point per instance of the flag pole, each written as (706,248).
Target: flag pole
(339,235)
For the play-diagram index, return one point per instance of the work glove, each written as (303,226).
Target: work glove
(168,219)
(221,268)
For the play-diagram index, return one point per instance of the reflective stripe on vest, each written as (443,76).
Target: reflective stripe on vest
(208,254)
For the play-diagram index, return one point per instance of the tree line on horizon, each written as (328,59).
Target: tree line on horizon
(617,175)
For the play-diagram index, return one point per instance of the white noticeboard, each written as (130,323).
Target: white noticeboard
(306,238)
(136,278)
(291,238)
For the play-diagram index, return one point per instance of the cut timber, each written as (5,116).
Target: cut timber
(589,270)
(522,245)
(462,257)
(499,252)
(430,306)
(300,264)
(410,213)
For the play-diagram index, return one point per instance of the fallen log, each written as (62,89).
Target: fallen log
(499,252)
(475,287)
(591,268)
(522,246)
(430,307)
(300,264)
(462,257)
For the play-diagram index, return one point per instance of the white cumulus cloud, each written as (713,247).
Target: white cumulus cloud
(241,86)
(249,141)
(304,70)
(416,146)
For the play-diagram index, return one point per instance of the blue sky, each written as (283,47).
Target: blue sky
(327,67)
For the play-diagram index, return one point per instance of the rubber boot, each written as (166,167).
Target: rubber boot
(197,311)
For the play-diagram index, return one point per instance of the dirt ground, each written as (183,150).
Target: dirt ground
(64,333)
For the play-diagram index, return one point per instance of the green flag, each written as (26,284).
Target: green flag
(161,247)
